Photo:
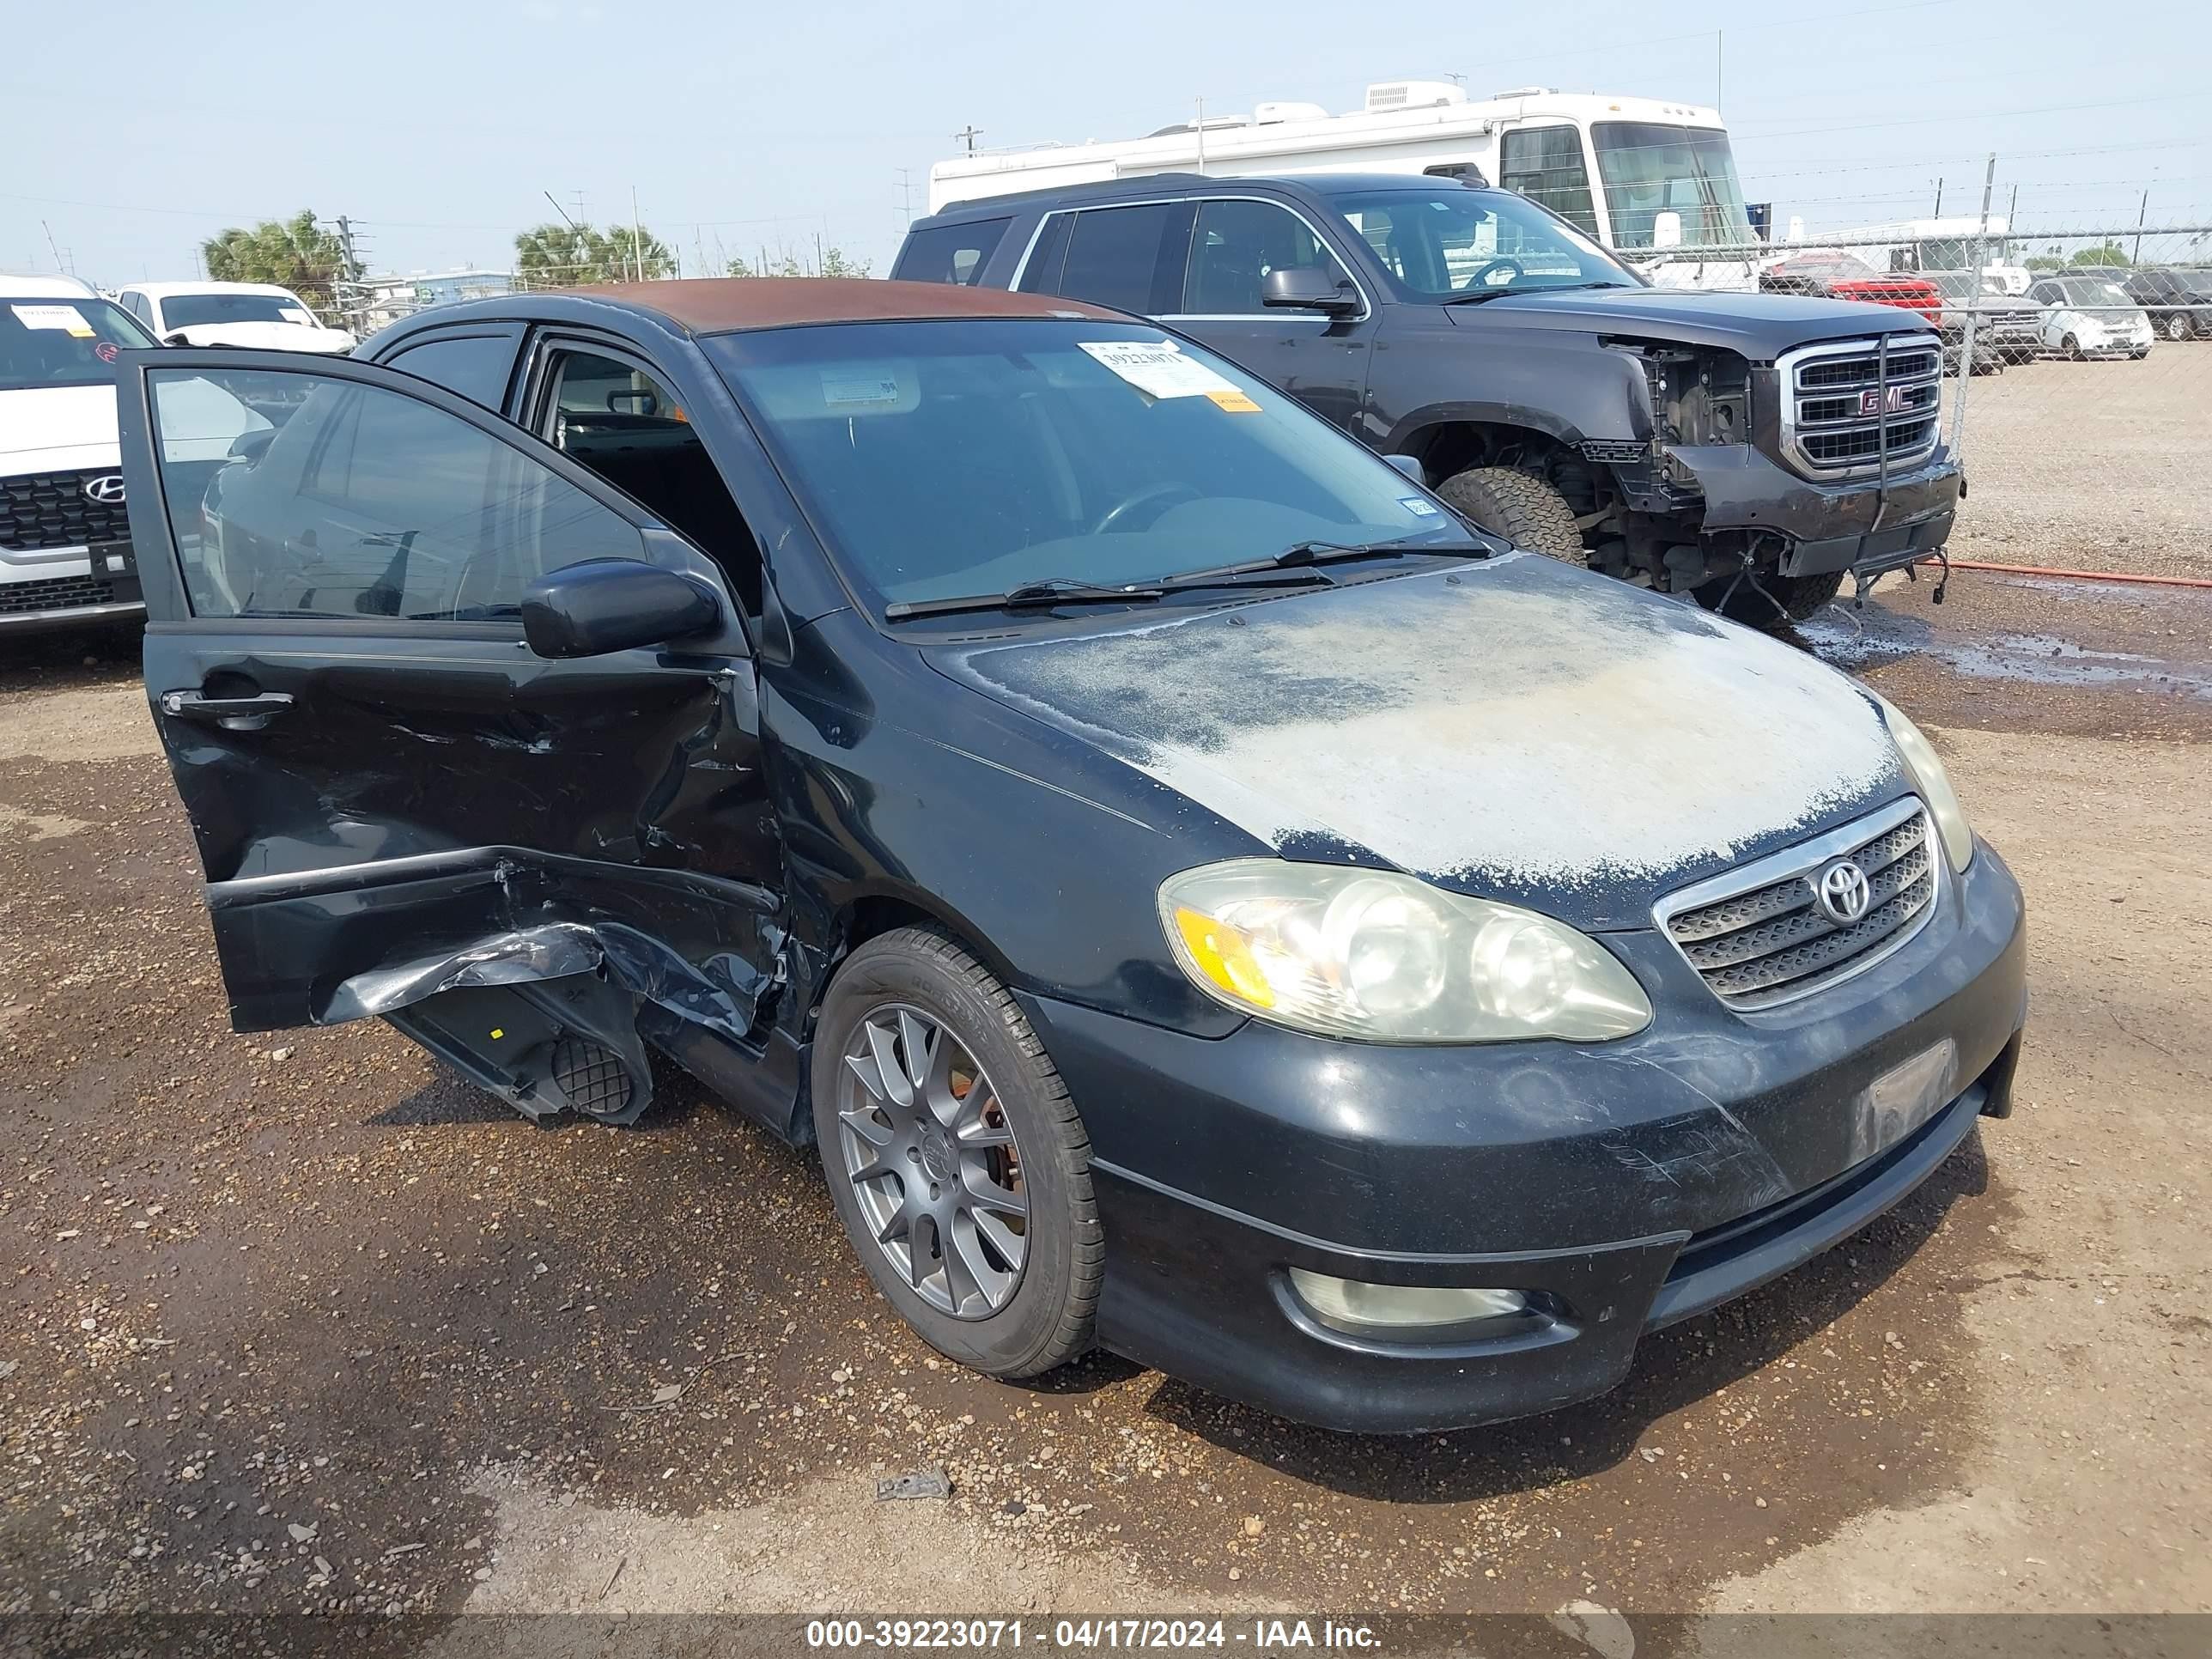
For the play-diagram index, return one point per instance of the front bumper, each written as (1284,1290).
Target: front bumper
(54,588)
(1620,1186)
(1825,527)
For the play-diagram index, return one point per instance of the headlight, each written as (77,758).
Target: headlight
(1934,783)
(1367,954)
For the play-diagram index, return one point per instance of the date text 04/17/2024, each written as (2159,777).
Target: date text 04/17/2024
(1079,1635)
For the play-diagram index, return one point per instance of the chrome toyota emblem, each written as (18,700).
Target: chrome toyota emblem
(1842,891)
(107,490)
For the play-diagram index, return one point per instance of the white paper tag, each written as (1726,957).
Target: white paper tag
(860,389)
(1160,370)
(1419,504)
(67,318)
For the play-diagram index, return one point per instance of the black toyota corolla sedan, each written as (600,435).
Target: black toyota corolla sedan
(1199,896)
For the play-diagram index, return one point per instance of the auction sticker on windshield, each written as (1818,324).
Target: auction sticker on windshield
(67,318)
(1161,370)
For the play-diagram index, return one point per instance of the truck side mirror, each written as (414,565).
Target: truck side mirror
(1667,230)
(1308,288)
(602,605)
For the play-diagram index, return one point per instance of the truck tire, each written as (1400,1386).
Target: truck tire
(1800,596)
(1519,506)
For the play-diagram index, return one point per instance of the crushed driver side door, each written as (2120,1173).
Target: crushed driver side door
(531,866)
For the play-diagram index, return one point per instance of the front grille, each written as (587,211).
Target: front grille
(50,509)
(1759,936)
(54,593)
(1844,416)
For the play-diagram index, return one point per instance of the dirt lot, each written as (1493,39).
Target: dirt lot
(305,1322)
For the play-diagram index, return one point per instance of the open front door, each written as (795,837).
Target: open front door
(528,865)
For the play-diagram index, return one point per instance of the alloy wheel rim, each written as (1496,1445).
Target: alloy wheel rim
(933,1164)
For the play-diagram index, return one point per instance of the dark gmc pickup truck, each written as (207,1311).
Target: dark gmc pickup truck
(1749,449)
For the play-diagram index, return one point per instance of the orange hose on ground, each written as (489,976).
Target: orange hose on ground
(2081,575)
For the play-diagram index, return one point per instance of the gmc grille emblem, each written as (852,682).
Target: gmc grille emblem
(1870,403)
(107,490)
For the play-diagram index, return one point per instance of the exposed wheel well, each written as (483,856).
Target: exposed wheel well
(1451,447)
(874,914)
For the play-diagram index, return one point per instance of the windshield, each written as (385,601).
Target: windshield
(2095,291)
(191,310)
(1440,243)
(63,341)
(947,459)
(1649,168)
(1829,268)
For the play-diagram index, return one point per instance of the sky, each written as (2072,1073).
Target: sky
(440,131)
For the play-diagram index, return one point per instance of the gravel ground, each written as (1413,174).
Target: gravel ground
(2093,466)
(305,1323)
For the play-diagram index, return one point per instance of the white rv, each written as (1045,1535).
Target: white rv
(1653,181)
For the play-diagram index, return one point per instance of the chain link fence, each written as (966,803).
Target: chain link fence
(2078,373)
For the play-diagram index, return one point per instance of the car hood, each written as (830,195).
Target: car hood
(1511,727)
(265,337)
(55,427)
(1761,326)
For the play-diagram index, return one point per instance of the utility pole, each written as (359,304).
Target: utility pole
(1200,126)
(1717,36)
(637,235)
(906,192)
(1938,213)
(968,135)
(2012,211)
(355,295)
(2141,208)
(51,248)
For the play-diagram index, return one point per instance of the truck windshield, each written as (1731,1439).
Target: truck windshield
(62,341)
(1649,168)
(969,456)
(1455,242)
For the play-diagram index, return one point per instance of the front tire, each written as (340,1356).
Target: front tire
(955,1156)
(2072,348)
(1519,506)
(1799,598)
(2179,327)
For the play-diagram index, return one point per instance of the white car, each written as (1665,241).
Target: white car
(259,314)
(65,554)
(2090,317)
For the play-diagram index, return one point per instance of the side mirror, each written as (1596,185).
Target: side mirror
(602,605)
(175,337)
(1667,230)
(1308,288)
(1412,467)
(251,446)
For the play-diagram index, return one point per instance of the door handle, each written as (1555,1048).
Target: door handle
(232,714)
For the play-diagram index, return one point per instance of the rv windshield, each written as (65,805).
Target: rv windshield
(1649,168)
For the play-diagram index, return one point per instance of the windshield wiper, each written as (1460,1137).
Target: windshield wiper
(1477,298)
(1299,554)
(1044,591)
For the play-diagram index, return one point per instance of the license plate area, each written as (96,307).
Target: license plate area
(1903,1099)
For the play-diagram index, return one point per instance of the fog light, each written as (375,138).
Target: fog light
(1350,1302)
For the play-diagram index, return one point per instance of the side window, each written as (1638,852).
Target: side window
(1545,164)
(950,254)
(619,419)
(473,365)
(1119,256)
(1235,244)
(135,303)
(292,494)
(1048,256)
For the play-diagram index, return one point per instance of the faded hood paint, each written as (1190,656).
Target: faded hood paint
(1509,727)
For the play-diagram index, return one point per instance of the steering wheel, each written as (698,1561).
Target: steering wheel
(1476,280)
(1165,493)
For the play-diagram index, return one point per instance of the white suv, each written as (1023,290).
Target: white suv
(66,555)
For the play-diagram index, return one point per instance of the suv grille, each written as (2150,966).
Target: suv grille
(1759,936)
(1836,402)
(50,509)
